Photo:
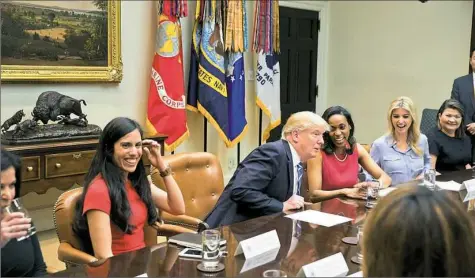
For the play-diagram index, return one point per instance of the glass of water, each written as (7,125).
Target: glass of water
(429,179)
(358,259)
(17,206)
(274,273)
(359,254)
(210,241)
(372,194)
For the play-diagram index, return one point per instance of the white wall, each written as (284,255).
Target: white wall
(129,98)
(380,50)
(376,51)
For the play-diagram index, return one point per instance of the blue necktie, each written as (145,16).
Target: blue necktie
(299,177)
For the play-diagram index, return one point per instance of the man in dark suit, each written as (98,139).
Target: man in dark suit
(463,91)
(268,180)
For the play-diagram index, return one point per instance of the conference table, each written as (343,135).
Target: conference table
(313,243)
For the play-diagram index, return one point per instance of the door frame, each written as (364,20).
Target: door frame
(322,8)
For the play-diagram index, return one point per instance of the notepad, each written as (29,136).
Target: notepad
(449,185)
(319,218)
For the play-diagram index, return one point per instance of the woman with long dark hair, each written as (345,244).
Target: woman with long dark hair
(118,198)
(19,258)
(334,172)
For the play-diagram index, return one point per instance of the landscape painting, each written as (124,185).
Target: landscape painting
(61,38)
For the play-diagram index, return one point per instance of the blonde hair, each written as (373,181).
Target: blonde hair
(413,134)
(303,120)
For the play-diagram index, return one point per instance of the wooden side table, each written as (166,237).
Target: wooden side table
(58,164)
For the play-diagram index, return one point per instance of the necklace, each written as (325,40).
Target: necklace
(341,160)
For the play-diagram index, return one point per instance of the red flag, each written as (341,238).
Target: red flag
(166,112)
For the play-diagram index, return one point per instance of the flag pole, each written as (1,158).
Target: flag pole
(205,130)
(260,127)
(238,152)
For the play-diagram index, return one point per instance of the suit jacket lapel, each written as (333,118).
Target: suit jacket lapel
(290,168)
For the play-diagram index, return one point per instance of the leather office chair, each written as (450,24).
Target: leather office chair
(69,250)
(428,120)
(200,179)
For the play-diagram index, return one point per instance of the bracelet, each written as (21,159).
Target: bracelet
(166,172)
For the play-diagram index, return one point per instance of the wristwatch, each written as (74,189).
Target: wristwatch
(166,172)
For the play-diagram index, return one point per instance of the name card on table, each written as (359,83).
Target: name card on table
(332,266)
(259,260)
(258,245)
(470,186)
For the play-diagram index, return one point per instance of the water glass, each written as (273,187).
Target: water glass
(274,273)
(210,241)
(473,170)
(429,179)
(17,206)
(359,253)
(372,194)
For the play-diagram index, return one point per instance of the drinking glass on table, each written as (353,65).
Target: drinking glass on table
(372,194)
(274,273)
(429,179)
(17,206)
(358,259)
(210,243)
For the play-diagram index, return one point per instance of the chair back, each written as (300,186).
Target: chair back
(199,177)
(63,217)
(64,214)
(428,120)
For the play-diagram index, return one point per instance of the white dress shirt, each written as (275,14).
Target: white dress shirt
(296,161)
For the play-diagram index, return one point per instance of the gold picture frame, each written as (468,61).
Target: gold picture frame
(14,73)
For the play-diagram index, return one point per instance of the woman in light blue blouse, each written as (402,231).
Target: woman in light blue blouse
(403,153)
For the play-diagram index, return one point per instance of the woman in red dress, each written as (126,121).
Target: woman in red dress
(334,172)
(118,199)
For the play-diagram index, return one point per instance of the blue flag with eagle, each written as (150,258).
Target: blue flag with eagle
(216,84)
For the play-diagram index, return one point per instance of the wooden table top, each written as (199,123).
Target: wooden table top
(314,243)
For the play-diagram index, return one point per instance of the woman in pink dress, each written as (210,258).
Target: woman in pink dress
(334,172)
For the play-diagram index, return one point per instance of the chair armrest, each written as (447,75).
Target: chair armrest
(181,220)
(169,230)
(69,254)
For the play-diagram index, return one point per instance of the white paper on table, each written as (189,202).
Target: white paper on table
(448,185)
(319,218)
(386,191)
(142,275)
(356,274)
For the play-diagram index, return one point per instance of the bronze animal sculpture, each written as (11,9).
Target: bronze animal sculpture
(69,121)
(50,105)
(24,127)
(15,119)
